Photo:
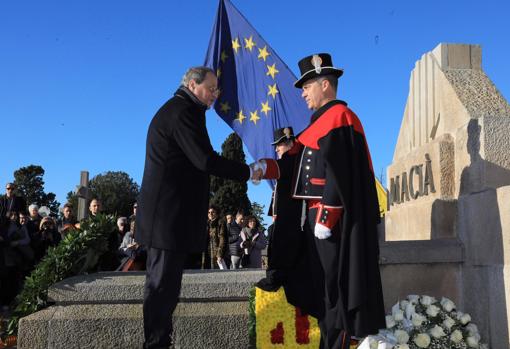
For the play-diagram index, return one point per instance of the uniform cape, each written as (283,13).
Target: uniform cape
(337,131)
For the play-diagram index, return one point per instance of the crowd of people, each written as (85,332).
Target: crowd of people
(233,243)
(26,234)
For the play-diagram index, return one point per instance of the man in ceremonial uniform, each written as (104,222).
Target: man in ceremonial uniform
(332,172)
(285,234)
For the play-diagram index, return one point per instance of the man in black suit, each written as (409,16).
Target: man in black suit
(173,202)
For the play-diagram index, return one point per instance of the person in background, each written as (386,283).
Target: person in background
(233,232)
(133,255)
(122,228)
(133,216)
(229,219)
(46,236)
(217,231)
(94,208)
(34,220)
(285,235)
(252,242)
(68,221)
(10,202)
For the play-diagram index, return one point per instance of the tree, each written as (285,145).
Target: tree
(30,184)
(228,195)
(257,210)
(116,190)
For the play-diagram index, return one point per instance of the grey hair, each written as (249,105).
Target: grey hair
(122,219)
(196,73)
(31,207)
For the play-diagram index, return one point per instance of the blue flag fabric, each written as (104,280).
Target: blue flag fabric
(257,95)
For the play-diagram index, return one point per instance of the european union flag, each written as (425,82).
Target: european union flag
(257,95)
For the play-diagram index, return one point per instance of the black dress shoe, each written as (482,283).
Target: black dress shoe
(268,285)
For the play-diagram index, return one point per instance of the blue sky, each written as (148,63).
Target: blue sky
(81,80)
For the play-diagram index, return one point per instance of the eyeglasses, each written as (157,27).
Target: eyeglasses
(214,90)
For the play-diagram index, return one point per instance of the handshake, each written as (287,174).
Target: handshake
(257,171)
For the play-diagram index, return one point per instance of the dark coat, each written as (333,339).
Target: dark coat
(334,166)
(233,232)
(287,236)
(172,207)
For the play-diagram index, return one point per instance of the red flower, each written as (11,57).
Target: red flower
(302,327)
(277,334)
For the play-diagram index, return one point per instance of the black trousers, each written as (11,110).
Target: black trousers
(162,287)
(324,255)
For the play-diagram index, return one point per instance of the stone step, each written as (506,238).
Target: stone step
(116,287)
(104,310)
(197,325)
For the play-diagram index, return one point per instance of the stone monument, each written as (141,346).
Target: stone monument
(449,185)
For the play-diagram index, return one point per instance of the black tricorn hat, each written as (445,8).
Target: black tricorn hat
(316,65)
(283,134)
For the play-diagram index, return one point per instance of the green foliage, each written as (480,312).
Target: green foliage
(116,190)
(77,253)
(30,184)
(228,195)
(252,319)
(258,211)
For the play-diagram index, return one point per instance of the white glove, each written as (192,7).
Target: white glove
(321,231)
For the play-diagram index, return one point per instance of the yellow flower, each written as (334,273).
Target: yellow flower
(272,308)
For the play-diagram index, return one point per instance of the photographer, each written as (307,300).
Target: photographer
(253,242)
(46,236)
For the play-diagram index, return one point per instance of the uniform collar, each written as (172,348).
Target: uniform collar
(325,107)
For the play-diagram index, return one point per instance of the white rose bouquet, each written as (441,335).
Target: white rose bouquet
(424,322)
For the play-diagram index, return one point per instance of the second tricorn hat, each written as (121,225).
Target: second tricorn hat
(283,134)
(316,65)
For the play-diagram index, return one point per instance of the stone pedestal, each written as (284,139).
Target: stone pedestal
(104,310)
(456,125)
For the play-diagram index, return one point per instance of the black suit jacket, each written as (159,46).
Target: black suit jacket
(172,207)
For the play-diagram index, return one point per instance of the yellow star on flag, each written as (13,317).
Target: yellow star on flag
(218,73)
(235,44)
(225,107)
(272,90)
(224,56)
(265,106)
(254,117)
(271,70)
(240,117)
(263,53)
(248,43)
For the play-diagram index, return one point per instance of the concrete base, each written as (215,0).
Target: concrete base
(104,310)
(197,325)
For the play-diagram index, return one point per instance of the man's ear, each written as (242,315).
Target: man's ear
(192,84)
(324,84)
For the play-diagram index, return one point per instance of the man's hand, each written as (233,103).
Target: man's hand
(322,232)
(257,171)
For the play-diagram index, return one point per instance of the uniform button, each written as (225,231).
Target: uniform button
(307,176)
(307,183)
(326,211)
(309,152)
(306,191)
(323,221)
(308,160)
(307,168)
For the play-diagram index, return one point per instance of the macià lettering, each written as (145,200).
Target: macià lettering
(419,183)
